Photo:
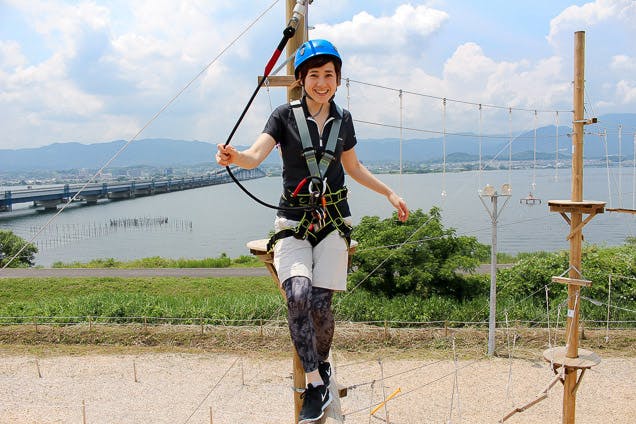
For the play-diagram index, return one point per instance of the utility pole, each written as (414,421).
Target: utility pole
(495,213)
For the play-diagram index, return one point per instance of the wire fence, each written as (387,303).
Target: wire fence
(255,323)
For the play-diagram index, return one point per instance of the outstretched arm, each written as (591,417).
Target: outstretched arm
(249,158)
(363,176)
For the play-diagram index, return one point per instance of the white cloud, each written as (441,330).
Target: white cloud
(387,32)
(107,66)
(468,75)
(580,17)
(626,92)
(623,63)
(11,55)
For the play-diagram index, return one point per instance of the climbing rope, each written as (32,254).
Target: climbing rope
(534,154)
(556,149)
(444,149)
(401,136)
(510,146)
(481,169)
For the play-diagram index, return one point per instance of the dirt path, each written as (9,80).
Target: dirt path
(156,272)
(187,388)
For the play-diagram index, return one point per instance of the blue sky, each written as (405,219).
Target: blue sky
(96,71)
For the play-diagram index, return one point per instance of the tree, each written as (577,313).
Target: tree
(419,257)
(10,245)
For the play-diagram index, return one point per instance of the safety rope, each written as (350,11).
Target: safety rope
(556,148)
(481,169)
(443,194)
(455,389)
(534,154)
(401,136)
(211,390)
(510,146)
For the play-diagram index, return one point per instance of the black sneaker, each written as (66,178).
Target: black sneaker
(324,368)
(315,401)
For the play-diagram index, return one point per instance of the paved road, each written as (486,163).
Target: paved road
(155,272)
(131,273)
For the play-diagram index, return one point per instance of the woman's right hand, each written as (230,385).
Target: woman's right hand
(226,155)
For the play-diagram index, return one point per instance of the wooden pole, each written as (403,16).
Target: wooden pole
(294,93)
(572,326)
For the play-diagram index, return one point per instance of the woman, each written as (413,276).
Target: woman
(317,143)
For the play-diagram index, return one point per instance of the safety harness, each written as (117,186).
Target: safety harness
(324,215)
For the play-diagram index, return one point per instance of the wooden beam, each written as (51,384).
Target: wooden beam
(580,226)
(575,281)
(622,210)
(279,80)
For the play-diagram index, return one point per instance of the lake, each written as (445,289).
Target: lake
(208,221)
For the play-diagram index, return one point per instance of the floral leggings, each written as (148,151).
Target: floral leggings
(310,319)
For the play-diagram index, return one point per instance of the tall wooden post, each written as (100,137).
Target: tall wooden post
(571,358)
(572,327)
(294,93)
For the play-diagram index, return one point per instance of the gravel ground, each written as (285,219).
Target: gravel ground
(225,388)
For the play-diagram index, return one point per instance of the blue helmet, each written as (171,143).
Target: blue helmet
(313,48)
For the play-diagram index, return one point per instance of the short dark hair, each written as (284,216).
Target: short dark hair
(317,62)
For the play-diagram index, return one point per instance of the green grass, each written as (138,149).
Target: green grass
(117,299)
(222,261)
(234,300)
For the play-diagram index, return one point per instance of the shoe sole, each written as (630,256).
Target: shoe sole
(312,420)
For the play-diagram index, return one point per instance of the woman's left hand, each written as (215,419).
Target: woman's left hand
(400,205)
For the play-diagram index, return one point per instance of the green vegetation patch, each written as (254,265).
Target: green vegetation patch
(172,300)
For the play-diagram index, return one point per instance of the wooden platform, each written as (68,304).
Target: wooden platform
(586,358)
(586,206)
(258,248)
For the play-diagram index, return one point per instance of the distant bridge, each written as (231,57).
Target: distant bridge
(49,198)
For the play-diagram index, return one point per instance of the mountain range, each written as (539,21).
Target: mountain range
(465,147)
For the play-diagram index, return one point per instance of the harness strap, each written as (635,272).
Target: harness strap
(305,199)
(309,152)
(304,232)
(305,228)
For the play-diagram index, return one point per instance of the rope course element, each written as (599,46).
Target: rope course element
(510,108)
(455,389)
(556,149)
(401,136)
(211,390)
(443,194)
(481,136)
(415,389)
(510,147)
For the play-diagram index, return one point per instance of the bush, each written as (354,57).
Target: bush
(10,245)
(426,264)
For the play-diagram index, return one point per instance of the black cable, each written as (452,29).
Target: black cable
(287,34)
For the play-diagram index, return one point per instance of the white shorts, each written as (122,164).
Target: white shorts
(325,265)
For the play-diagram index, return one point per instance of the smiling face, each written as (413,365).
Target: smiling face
(321,83)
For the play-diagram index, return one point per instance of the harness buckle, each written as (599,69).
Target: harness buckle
(320,190)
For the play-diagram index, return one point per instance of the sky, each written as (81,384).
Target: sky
(97,71)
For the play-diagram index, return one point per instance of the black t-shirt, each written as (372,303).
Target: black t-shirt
(282,127)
